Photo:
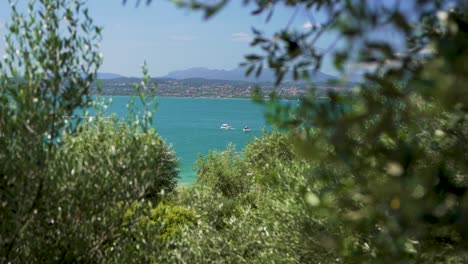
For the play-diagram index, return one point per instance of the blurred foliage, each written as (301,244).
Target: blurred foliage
(66,180)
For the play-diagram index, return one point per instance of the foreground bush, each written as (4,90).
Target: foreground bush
(34,96)
(247,212)
(95,176)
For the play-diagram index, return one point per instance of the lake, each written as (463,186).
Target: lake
(192,125)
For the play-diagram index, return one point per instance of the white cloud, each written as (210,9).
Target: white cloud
(2,25)
(241,37)
(182,37)
(310,25)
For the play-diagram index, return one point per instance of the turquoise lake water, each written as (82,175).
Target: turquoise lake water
(192,125)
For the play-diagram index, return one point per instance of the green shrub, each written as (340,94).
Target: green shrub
(106,163)
(262,223)
(265,224)
(147,234)
(224,172)
(273,146)
(120,157)
(172,218)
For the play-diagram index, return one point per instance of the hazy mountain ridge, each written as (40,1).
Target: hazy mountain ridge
(237,74)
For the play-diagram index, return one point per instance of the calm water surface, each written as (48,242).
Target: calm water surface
(191,125)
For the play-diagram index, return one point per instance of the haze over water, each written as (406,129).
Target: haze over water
(192,126)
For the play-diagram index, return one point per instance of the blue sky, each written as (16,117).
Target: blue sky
(169,38)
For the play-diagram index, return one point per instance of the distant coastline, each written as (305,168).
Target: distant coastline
(208,88)
(214,98)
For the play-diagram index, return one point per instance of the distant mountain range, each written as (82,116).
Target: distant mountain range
(237,74)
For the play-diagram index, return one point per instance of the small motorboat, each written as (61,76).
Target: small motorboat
(246,129)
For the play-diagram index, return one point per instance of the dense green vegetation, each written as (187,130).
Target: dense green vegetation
(378,176)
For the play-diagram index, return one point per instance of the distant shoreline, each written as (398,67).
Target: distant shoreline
(164,96)
(202,97)
(220,89)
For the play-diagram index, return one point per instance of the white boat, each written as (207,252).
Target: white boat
(225,127)
(246,129)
